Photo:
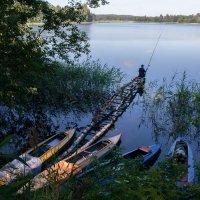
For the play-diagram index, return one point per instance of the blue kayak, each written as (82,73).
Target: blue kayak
(181,150)
(147,152)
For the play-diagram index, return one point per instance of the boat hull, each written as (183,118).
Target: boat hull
(33,165)
(52,145)
(74,164)
(190,159)
(148,157)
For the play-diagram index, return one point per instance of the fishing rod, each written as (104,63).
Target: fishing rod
(154,51)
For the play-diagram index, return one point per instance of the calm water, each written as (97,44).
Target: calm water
(127,46)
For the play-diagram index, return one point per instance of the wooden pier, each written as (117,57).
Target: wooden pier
(105,117)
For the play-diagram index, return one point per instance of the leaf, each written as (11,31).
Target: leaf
(10,157)
(6,190)
(6,140)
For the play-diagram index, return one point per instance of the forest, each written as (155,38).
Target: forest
(158,19)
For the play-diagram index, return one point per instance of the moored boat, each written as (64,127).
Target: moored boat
(35,157)
(74,164)
(52,145)
(181,151)
(147,152)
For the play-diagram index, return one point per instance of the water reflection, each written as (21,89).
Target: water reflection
(128,45)
(39,122)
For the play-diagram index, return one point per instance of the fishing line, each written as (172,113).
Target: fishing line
(154,50)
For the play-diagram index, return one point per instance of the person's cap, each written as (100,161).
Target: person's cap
(142,65)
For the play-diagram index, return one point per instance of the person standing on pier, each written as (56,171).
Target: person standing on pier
(142,72)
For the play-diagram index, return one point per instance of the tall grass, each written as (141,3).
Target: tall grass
(172,107)
(82,85)
(73,88)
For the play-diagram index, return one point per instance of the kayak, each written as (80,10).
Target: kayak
(31,161)
(181,150)
(74,164)
(52,145)
(147,152)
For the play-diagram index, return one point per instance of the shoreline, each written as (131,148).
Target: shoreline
(136,22)
(41,23)
(117,21)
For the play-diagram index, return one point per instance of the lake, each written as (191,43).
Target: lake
(127,46)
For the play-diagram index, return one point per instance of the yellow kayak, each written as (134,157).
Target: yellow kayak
(35,157)
(52,145)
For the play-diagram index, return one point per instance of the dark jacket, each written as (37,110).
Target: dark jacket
(142,72)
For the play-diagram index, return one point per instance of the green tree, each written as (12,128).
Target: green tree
(27,59)
(87,14)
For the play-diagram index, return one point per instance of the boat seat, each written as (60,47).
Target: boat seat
(106,142)
(145,149)
(53,143)
(88,152)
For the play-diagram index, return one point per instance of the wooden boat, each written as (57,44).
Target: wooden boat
(52,145)
(181,150)
(147,152)
(35,157)
(74,164)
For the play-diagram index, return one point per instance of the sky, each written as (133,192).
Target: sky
(145,7)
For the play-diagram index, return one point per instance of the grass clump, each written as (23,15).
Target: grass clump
(173,108)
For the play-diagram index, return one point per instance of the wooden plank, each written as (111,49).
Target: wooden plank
(108,114)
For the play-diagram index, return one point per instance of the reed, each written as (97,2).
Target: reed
(172,107)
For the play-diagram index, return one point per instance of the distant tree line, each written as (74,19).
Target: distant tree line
(89,17)
(160,19)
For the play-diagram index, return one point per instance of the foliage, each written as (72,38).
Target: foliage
(84,10)
(129,181)
(87,81)
(32,80)
(27,57)
(133,181)
(60,94)
(173,108)
(6,140)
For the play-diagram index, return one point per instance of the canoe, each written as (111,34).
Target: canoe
(52,145)
(74,164)
(35,157)
(181,150)
(147,152)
